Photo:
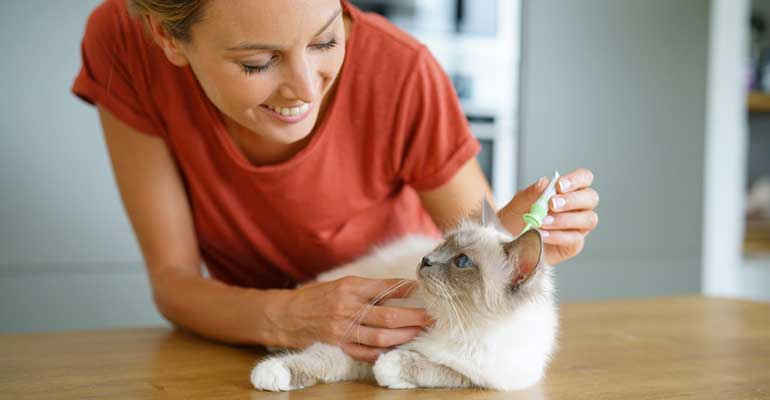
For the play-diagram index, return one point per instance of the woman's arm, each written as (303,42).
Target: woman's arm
(157,206)
(459,197)
(571,211)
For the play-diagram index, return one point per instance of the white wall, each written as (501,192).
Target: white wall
(725,272)
(68,258)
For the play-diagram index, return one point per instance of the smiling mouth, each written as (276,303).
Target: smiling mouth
(289,111)
(288,114)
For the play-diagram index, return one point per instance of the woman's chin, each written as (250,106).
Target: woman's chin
(290,136)
(281,134)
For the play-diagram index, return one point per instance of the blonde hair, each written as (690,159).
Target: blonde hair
(177,16)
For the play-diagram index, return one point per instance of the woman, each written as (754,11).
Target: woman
(273,140)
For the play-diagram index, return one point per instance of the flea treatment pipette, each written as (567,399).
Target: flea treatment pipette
(538,211)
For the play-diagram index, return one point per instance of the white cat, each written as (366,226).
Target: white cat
(492,299)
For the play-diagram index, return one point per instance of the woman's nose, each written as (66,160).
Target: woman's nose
(299,82)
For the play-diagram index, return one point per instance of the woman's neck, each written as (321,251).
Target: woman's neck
(260,150)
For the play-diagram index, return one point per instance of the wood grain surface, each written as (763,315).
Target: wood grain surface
(663,348)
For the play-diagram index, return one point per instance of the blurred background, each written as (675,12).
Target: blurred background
(667,102)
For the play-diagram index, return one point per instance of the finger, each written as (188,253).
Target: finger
(396,317)
(522,201)
(380,337)
(378,289)
(575,220)
(561,238)
(575,180)
(583,199)
(399,289)
(560,245)
(361,352)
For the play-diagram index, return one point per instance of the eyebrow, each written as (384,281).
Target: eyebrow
(260,46)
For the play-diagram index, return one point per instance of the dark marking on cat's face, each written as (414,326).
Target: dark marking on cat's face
(501,273)
(445,276)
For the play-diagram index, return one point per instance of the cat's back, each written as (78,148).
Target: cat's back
(397,259)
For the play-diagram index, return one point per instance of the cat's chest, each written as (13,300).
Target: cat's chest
(450,343)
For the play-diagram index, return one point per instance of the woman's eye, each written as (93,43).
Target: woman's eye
(253,69)
(462,261)
(326,46)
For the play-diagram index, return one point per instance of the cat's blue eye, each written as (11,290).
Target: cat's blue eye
(462,261)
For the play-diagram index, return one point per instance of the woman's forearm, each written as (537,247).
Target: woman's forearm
(296,318)
(218,311)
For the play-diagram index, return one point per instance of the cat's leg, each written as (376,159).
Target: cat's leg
(405,369)
(318,363)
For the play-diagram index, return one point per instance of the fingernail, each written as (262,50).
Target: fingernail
(558,203)
(564,184)
(544,234)
(548,220)
(541,181)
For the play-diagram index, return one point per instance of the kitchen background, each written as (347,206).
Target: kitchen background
(652,96)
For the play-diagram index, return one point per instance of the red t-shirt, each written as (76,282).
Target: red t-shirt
(394,126)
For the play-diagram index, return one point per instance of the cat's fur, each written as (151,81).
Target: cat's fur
(496,321)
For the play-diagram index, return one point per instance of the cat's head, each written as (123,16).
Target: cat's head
(481,272)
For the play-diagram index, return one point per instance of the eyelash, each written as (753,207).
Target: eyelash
(255,69)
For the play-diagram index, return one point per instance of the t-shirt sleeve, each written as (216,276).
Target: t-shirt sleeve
(107,76)
(433,135)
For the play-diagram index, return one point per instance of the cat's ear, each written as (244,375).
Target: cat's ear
(489,216)
(525,255)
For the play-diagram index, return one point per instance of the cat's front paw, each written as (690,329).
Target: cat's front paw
(388,370)
(273,375)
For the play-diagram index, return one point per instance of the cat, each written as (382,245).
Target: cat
(492,298)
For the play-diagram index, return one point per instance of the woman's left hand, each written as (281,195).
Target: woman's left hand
(571,216)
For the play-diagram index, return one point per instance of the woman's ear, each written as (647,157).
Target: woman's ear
(172,48)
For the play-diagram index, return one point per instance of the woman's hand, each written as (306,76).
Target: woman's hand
(339,312)
(571,216)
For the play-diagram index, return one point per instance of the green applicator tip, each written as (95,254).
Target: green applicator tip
(538,210)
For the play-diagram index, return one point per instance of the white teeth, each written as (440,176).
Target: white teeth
(291,111)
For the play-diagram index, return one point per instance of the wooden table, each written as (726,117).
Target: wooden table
(666,348)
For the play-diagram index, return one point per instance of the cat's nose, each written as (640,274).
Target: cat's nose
(425,262)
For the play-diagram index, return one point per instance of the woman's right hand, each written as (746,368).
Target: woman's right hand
(336,312)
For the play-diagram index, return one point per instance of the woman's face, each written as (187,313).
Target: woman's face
(268,64)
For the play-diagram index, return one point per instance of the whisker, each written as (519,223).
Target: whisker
(461,312)
(453,306)
(365,310)
(409,289)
